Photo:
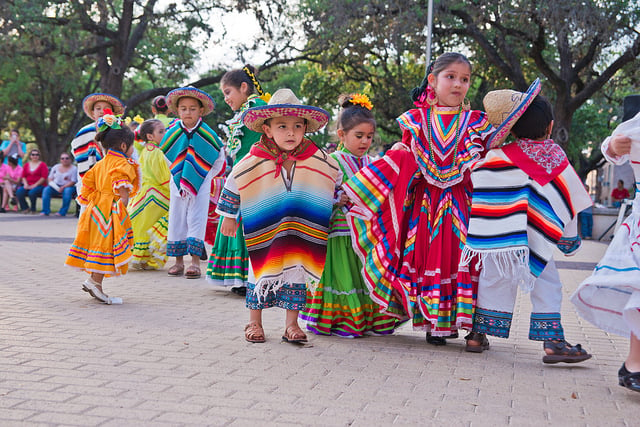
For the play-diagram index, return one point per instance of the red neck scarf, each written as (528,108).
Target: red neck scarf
(267,148)
(541,160)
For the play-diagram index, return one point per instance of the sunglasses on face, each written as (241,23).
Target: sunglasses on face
(64,158)
(35,154)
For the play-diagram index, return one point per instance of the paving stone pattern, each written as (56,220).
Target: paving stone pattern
(174,354)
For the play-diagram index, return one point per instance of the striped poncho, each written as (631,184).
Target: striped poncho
(85,149)
(524,196)
(285,224)
(191,153)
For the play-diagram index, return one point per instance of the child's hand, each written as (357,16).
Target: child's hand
(619,145)
(344,199)
(400,146)
(229,227)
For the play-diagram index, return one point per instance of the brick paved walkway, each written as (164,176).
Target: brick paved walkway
(174,354)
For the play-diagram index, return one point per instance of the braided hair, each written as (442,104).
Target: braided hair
(246,74)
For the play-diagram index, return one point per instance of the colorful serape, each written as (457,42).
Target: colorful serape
(515,219)
(285,224)
(85,149)
(191,153)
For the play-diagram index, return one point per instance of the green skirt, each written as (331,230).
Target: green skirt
(341,305)
(229,260)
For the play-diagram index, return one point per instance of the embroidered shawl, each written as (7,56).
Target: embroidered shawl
(517,220)
(453,151)
(286,225)
(349,165)
(192,155)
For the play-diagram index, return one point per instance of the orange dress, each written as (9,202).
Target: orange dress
(104,237)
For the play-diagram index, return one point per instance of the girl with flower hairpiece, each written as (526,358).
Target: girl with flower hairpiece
(340,304)
(412,206)
(229,260)
(104,238)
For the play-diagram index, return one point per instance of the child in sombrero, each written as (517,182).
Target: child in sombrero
(526,198)
(84,147)
(284,191)
(196,155)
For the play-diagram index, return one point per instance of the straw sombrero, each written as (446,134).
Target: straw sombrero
(285,103)
(174,96)
(504,108)
(89,101)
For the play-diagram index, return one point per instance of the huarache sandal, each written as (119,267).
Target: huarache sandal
(176,270)
(294,334)
(474,347)
(564,352)
(253,332)
(630,380)
(193,272)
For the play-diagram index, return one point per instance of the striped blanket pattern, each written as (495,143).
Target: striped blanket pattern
(192,155)
(286,226)
(349,165)
(517,220)
(85,149)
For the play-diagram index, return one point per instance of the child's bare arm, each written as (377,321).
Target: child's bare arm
(619,145)
(229,226)
(124,195)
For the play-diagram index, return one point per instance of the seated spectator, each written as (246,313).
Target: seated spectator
(34,178)
(13,146)
(619,194)
(10,176)
(62,182)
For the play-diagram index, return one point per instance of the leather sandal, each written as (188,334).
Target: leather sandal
(193,272)
(564,352)
(176,270)
(630,380)
(477,337)
(294,334)
(253,332)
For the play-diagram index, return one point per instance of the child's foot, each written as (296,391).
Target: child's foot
(193,272)
(476,342)
(561,351)
(253,332)
(176,270)
(440,340)
(294,334)
(630,380)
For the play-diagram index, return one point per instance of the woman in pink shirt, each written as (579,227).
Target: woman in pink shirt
(10,176)
(34,178)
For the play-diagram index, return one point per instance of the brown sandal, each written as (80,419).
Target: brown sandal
(193,272)
(564,352)
(478,338)
(253,332)
(176,270)
(294,334)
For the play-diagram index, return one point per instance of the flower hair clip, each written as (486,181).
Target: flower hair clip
(109,120)
(361,100)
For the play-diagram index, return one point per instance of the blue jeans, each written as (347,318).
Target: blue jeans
(34,193)
(67,194)
(586,224)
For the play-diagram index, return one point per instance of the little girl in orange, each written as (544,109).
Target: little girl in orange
(104,238)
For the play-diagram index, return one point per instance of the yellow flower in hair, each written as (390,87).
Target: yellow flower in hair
(361,100)
(109,119)
(138,119)
(127,120)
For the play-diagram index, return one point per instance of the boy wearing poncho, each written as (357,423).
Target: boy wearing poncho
(196,155)
(526,198)
(284,191)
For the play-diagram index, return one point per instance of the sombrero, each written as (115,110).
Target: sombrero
(284,103)
(504,108)
(191,92)
(89,101)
